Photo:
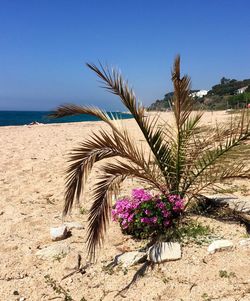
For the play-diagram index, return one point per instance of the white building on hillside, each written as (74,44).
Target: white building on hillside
(241,90)
(199,94)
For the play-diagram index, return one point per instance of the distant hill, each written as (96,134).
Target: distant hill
(165,103)
(162,104)
(228,86)
(229,93)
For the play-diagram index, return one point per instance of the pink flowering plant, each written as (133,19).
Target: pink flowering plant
(143,215)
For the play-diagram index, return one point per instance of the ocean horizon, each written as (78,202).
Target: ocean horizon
(12,118)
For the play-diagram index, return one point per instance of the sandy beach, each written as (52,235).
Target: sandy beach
(33,161)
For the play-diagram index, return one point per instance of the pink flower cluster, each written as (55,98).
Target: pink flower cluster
(141,195)
(143,212)
(149,220)
(177,201)
(124,210)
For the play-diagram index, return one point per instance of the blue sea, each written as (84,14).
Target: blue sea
(27,117)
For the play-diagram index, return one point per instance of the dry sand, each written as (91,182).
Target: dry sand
(33,159)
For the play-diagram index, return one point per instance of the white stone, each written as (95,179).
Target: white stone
(219,245)
(74,225)
(244,242)
(241,205)
(58,233)
(131,258)
(164,251)
(53,251)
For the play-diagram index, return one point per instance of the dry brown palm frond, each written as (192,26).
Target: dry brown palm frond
(182,101)
(71,109)
(114,83)
(102,146)
(112,176)
(83,159)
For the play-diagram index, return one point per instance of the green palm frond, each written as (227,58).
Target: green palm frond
(209,159)
(210,179)
(185,124)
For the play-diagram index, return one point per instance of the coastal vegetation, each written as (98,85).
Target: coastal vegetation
(225,95)
(177,162)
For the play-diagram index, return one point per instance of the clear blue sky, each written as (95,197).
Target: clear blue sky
(44,45)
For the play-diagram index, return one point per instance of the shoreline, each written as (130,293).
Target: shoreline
(26,118)
(57,123)
(208,117)
(218,113)
(49,124)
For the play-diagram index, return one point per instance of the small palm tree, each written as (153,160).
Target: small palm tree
(181,159)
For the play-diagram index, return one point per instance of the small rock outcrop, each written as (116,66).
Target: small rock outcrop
(58,233)
(219,245)
(245,242)
(74,225)
(53,251)
(241,204)
(164,251)
(131,258)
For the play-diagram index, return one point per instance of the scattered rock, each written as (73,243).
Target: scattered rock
(15,293)
(164,251)
(236,204)
(74,225)
(131,258)
(51,252)
(244,242)
(219,245)
(58,233)
(71,261)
